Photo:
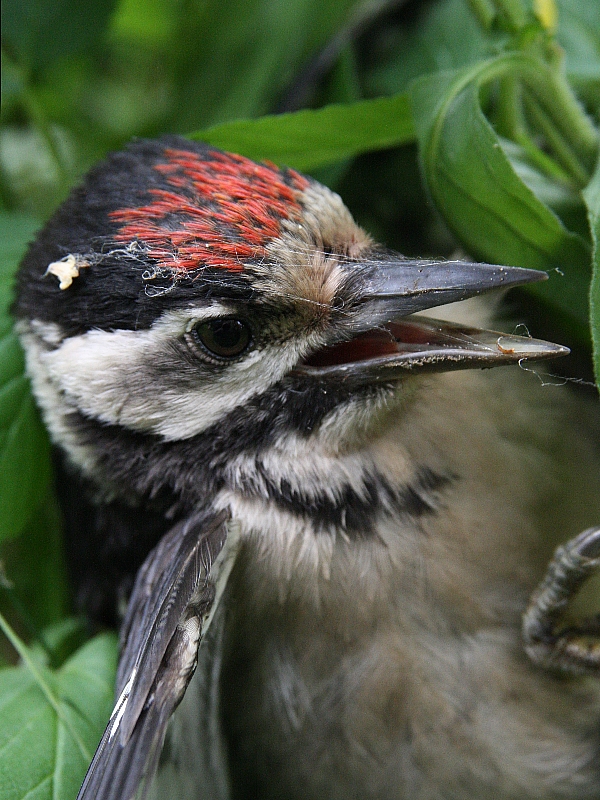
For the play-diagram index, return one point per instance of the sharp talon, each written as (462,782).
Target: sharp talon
(574,649)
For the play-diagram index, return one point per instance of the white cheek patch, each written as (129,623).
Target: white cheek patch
(49,332)
(137,379)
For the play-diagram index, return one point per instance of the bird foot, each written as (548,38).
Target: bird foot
(566,647)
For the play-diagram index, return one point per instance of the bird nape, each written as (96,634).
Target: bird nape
(310,495)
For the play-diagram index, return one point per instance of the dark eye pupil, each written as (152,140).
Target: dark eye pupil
(225,338)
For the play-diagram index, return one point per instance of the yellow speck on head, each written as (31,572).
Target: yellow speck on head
(66,269)
(547,13)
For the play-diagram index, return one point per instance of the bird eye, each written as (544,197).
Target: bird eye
(224,338)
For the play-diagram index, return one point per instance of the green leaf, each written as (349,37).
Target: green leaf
(591,196)
(24,457)
(16,231)
(12,83)
(238,56)
(579,35)
(483,200)
(37,33)
(152,21)
(309,139)
(52,722)
(444,35)
(24,448)
(34,564)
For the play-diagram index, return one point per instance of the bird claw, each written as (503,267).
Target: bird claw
(569,648)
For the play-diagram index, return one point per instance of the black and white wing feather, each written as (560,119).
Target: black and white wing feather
(172,600)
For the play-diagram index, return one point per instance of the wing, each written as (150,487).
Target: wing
(170,607)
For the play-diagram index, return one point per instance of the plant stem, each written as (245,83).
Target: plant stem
(542,161)
(509,117)
(554,94)
(561,147)
(553,105)
(511,124)
(514,12)
(551,90)
(484,11)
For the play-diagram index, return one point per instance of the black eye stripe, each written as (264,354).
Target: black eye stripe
(224,337)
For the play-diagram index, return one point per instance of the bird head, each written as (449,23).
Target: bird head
(186,295)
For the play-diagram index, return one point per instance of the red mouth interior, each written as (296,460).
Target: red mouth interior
(395,337)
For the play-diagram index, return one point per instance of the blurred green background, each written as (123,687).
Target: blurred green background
(446,125)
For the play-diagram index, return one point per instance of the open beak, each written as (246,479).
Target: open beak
(387,342)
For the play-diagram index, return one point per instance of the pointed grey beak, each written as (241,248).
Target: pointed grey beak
(393,289)
(385,343)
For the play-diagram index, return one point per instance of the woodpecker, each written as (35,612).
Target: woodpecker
(292,482)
